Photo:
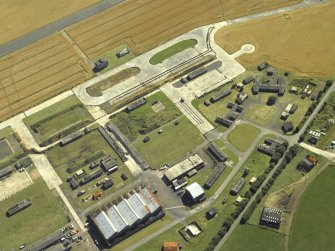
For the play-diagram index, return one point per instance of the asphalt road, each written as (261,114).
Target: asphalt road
(292,140)
(51,28)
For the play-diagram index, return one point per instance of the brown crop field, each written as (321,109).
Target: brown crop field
(38,72)
(19,17)
(301,41)
(145,24)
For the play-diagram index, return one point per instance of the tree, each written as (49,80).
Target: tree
(281,149)
(294,150)
(228,221)
(271,100)
(276,157)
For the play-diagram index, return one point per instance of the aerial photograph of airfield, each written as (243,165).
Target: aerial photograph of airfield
(155,125)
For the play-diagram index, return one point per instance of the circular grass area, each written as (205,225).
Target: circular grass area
(261,114)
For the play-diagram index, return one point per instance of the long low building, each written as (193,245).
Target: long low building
(216,152)
(182,168)
(116,219)
(18,207)
(5,172)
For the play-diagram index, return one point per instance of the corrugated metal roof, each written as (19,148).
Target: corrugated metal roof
(117,220)
(138,206)
(127,213)
(149,200)
(105,225)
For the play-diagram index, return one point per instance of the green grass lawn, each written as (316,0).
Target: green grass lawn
(43,217)
(172,50)
(321,122)
(252,238)
(172,144)
(145,118)
(75,153)
(78,155)
(242,136)
(113,60)
(10,148)
(63,117)
(218,108)
(314,221)
(289,176)
(256,163)
(261,114)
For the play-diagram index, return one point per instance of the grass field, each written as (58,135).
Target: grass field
(172,144)
(145,118)
(38,72)
(10,148)
(113,60)
(28,15)
(78,155)
(44,216)
(75,154)
(321,122)
(285,186)
(261,114)
(172,50)
(242,136)
(285,42)
(256,163)
(219,108)
(97,89)
(59,119)
(316,209)
(252,238)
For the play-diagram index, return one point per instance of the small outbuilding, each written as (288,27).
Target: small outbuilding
(287,127)
(211,213)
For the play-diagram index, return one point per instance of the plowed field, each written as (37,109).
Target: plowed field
(301,41)
(144,24)
(38,72)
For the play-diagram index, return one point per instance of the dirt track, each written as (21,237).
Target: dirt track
(144,24)
(38,72)
(301,41)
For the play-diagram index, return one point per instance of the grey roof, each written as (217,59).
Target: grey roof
(271,215)
(127,212)
(216,152)
(183,167)
(117,220)
(149,199)
(138,206)
(195,190)
(5,171)
(105,225)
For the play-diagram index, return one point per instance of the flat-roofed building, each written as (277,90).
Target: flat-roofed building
(105,225)
(271,217)
(140,208)
(117,220)
(196,192)
(127,213)
(182,168)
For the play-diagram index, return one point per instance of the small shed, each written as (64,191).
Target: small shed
(146,139)
(211,213)
(287,127)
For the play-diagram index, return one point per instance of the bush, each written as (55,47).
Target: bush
(271,100)
(276,157)
(247,194)
(237,212)
(228,221)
